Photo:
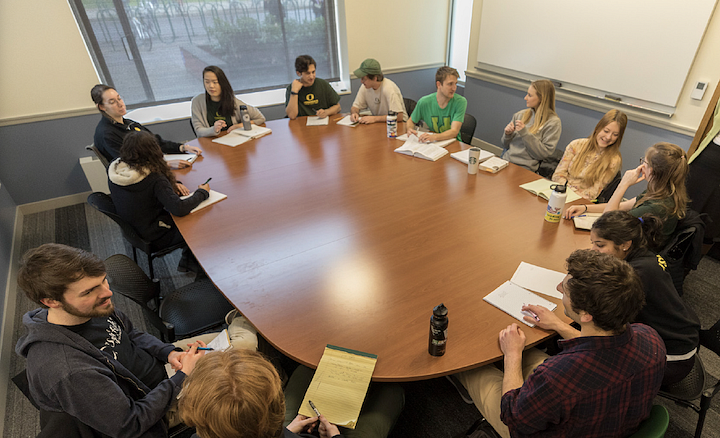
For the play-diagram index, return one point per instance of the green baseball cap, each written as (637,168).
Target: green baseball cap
(368,67)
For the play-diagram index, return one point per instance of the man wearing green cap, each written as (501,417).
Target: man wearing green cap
(443,111)
(378,95)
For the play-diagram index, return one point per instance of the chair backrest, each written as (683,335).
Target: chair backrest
(409,106)
(609,189)
(103,203)
(548,165)
(103,159)
(467,130)
(690,387)
(655,425)
(193,128)
(127,279)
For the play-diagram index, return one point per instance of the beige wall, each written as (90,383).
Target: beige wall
(46,68)
(398,33)
(706,67)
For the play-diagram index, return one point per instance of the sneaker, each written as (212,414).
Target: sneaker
(460,389)
(231,315)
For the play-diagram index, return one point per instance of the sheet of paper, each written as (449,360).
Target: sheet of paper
(464,156)
(317,121)
(214,197)
(185,157)
(510,298)
(345,121)
(255,131)
(339,385)
(232,139)
(538,279)
(221,342)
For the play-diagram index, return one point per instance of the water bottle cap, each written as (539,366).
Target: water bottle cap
(560,188)
(243,107)
(392,113)
(440,311)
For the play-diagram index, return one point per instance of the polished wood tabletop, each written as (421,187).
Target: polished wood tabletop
(327,236)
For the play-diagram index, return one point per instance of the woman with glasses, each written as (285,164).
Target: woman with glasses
(217,109)
(113,126)
(665,167)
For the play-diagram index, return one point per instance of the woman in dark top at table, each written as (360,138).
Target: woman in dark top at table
(217,109)
(665,167)
(113,127)
(145,193)
(626,237)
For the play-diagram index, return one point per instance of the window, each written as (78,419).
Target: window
(154,51)
(460,21)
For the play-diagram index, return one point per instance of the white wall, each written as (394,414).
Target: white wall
(47,70)
(706,67)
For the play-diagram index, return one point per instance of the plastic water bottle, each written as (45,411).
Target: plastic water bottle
(392,124)
(438,331)
(245,118)
(556,204)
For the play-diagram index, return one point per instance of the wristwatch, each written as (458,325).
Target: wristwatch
(294,93)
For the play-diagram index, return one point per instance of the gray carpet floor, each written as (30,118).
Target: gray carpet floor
(432,407)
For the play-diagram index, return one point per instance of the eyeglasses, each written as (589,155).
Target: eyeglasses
(642,161)
(114,101)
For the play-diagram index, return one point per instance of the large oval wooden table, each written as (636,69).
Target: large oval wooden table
(329,237)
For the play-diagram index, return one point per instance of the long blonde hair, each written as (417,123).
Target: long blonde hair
(546,109)
(669,170)
(602,168)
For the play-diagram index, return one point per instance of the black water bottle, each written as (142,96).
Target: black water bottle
(438,331)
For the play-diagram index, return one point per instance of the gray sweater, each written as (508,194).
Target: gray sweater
(526,149)
(199,116)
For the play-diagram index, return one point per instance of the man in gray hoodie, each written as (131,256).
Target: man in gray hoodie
(84,358)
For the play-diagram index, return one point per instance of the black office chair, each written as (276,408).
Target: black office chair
(609,189)
(192,127)
(104,204)
(467,130)
(191,310)
(688,390)
(409,106)
(92,148)
(683,250)
(548,165)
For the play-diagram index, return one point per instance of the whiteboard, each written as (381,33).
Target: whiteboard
(640,50)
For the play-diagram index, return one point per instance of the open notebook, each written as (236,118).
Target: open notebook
(427,151)
(239,136)
(541,188)
(214,197)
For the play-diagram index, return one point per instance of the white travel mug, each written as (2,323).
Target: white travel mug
(473,158)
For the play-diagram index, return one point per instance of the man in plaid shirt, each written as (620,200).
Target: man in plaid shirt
(601,384)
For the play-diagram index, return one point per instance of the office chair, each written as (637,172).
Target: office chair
(467,130)
(192,127)
(609,189)
(548,165)
(98,154)
(683,250)
(188,311)
(104,204)
(655,425)
(409,105)
(688,390)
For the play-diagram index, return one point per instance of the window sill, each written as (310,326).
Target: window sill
(181,110)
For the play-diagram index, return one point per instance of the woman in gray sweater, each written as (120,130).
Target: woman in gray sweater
(217,109)
(533,133)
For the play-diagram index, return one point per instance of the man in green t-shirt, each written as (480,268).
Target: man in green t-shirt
(308,95)
(443,111)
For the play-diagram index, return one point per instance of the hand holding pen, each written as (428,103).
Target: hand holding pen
(205,186)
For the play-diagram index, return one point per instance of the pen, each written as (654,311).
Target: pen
(208,180)
(312,405)
(204,349)
(530,313)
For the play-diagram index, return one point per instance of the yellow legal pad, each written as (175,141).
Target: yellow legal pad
(339,385)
